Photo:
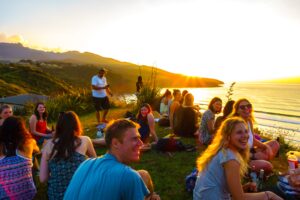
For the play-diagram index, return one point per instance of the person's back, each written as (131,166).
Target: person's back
(185,121)
(15,162)
(105,178)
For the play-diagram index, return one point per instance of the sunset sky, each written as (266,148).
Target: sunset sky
(232,40)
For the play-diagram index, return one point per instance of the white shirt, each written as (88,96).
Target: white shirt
(250,139)
(99,82)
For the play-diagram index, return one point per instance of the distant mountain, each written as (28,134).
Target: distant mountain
(75,69)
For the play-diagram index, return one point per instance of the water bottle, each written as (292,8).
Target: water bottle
(293,161)
(99,134)
(253,176)
(261,179)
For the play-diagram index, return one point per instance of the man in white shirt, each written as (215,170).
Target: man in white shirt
(100,88)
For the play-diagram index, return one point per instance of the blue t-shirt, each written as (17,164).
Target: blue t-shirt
(106,178)
(211,183)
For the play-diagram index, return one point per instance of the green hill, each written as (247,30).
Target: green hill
(19,79)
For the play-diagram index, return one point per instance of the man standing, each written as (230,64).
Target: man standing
(100,88)
(109,176)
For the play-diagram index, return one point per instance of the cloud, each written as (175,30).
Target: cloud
(12,38)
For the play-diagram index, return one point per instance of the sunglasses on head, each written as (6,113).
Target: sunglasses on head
(243,107)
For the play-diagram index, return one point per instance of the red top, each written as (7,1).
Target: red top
(41,127)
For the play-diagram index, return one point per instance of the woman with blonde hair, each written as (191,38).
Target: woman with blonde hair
(261,152)
(224,162)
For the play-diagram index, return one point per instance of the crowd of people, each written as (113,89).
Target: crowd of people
(231,146)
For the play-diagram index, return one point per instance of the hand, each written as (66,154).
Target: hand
(271,195)
(250,187)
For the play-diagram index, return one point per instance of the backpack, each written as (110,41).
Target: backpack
(170,144)
(190,180)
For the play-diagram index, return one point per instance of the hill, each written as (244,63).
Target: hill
(76,69)
(19,79)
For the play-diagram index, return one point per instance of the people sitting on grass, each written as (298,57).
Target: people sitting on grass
(224,162)
(206,131)
(5,112)
(38,124)
(186,118)
(226,112)
(16,149)
(63,154)
(109,176)
(146,121)
(261,152)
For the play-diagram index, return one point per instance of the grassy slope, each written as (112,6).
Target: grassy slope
(168,172)
(18,79)
(58,76)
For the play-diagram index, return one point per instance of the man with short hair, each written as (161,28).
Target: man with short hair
(100,88)
(109,176)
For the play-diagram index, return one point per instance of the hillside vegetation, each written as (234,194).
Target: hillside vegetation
(29,70)
(53,76)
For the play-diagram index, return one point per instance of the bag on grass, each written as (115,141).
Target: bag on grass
(170,144)
(190,180)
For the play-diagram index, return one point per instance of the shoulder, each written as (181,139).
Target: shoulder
(227,155)
(33,117)
(84,139)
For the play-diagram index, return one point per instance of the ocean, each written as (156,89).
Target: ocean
(276,105)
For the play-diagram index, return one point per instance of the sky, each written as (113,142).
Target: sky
(231,40)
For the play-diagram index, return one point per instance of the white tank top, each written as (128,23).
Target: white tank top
(250,139)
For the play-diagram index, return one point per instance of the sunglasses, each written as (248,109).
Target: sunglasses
(248,106)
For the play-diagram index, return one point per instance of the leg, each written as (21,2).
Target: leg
(262,164)
(98,116)
(274,146)
(104,115)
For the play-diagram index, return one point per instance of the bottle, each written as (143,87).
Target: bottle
(99,133)
(293,161)
(261,179)
(253,176)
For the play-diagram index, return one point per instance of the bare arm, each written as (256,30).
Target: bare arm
(32,126)
(99,88)
(90,149)
(210,125)
(44,170)
(233,180)
(151,124)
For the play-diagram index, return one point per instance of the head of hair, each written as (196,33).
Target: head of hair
(116,129)
(228,108)
(176,92)
(140,79)
(13,135)
(211,104)
(167,93)
(236,107)
(66,138)
(188,99)
(4,107)
(36,112)
(220,141)
(146,105)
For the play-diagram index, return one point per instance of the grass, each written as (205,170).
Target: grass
(168,171)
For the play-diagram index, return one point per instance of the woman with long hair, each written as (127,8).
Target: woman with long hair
(38,123)
(226,112)
(5,112)
(146,121)
(224,162)
(260,152)
(63,154)
(16,148)
(206,129)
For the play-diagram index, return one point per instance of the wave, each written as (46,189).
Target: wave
(279,114)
